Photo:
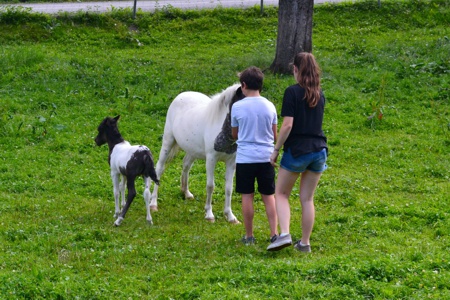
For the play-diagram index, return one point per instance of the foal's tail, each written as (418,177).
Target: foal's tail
(149,168)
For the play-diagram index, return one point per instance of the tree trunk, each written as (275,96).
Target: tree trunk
(295,20)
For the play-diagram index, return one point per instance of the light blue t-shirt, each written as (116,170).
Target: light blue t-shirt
(254,116)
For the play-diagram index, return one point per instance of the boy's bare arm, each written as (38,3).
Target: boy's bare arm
(234,132)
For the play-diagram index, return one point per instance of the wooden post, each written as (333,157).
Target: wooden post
(134,9)
(262,6)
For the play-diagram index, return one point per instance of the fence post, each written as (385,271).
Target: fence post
(262,6)
(134,9)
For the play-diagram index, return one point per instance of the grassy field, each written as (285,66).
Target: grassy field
(49,1)
(383,208)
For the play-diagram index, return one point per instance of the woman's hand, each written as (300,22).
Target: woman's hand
(274,157)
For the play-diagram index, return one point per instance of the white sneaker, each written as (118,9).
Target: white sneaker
(280,243)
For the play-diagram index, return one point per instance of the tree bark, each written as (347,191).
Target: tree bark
(295,20)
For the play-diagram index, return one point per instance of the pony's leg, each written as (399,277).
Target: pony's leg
(154,196)
(210,166)
(188,160)
(131,194)
(147,197)
(123,183)
(229,174)
(116,190)
(166,149)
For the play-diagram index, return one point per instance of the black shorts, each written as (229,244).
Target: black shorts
(264,173)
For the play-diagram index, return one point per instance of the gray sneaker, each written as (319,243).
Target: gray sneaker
(273,238)
(302,248)
(248,241)
(280,242)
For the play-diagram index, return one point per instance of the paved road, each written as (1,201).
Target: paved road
(145,5)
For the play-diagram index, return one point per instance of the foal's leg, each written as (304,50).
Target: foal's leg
(229,174)
(123,183)
(166,149)
(210,166)
(147,197)
(130,197)
(116,189)
(188,160)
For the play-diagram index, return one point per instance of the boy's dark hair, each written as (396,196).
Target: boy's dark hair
(253,78)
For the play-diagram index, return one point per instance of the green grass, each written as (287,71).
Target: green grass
(383,217)
(47,1)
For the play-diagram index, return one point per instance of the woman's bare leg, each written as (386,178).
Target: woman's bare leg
(308,184)
(283,189)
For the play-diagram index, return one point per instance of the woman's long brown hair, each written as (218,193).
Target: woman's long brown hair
(308,76)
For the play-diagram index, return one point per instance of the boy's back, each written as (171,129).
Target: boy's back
(255,117)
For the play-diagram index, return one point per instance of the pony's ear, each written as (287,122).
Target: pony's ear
(117,118)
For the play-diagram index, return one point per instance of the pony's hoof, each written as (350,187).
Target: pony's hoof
(118,221)
(150,222)
(235,221)
(211,220)
(187,195)
(153,208)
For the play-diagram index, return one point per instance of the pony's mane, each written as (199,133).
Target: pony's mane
(219,105)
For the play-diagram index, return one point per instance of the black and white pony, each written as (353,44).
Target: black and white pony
(201,126)
(127,162)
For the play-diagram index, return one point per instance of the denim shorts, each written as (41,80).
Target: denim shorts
(314,162)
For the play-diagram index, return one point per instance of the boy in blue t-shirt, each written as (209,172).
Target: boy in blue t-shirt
(254,126)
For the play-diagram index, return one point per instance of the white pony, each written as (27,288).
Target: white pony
(201,126)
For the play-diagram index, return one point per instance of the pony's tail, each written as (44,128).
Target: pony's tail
(149,168)
(172,153)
